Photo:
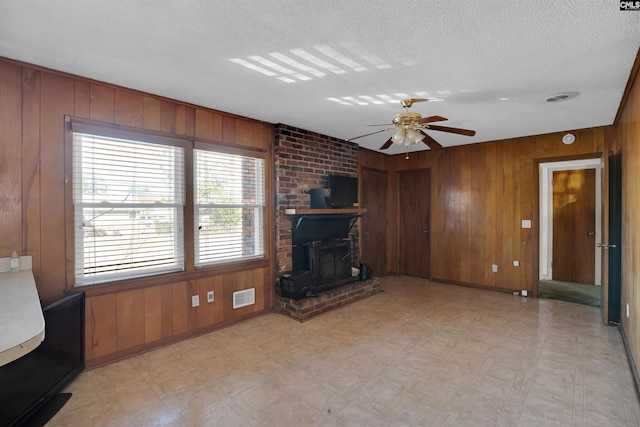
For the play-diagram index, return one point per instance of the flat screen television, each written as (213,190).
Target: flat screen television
(343,191)
(30,386)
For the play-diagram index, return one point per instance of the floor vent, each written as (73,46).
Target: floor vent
(244,298)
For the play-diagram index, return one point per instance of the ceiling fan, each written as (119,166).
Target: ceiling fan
(411,127)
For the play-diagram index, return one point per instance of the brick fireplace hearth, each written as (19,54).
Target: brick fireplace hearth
(307,308)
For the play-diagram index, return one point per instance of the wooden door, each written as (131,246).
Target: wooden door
(414,217)
(574,222)
(374,222)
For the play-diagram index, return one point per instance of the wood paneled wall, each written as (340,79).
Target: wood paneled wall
(128,321)
(136,315)
(628,139)
(479,195)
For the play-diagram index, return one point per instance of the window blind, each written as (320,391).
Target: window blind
(229,207)
(128,208)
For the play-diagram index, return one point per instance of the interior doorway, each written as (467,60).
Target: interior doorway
(570,226)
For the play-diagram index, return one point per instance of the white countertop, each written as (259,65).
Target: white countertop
(21,320)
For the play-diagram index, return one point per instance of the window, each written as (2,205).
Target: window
(229,207)
(128,201)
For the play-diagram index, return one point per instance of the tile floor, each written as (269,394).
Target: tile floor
(418,354)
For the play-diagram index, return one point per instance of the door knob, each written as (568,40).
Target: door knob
(605,245)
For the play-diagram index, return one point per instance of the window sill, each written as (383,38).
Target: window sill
(324,211)
(168,278)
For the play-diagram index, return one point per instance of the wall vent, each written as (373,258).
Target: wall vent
(244,298)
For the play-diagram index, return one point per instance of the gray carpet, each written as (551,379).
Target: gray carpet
(571,292)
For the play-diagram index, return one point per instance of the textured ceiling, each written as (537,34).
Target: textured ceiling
(334,66)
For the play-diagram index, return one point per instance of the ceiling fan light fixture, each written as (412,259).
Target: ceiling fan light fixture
(413,136)
(399,137)
(410,127)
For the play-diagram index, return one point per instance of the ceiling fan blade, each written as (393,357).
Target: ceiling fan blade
(431,143)
(367,134)
(431,119)
(386,144)
(459,131)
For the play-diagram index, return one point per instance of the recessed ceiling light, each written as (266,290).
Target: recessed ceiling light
(563,96)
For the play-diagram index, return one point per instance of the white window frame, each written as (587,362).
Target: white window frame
(202,256)
(87,274)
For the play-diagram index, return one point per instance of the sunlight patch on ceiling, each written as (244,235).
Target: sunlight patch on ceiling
(382,98)
(354,100)
(277,67)
(253,67)
(299,65)
(337,56)
(367,56)
(371,99)
(317,61)
(303,65)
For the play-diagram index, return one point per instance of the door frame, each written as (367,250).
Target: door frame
(612,261)
(545,172)
(428,171)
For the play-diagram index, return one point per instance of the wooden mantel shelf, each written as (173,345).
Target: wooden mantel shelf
(324,211)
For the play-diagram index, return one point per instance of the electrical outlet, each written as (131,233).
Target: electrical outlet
(524,293)
(627,310)
(210,297)
(516,263)
(494,268)
(195,300)
(526,223)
